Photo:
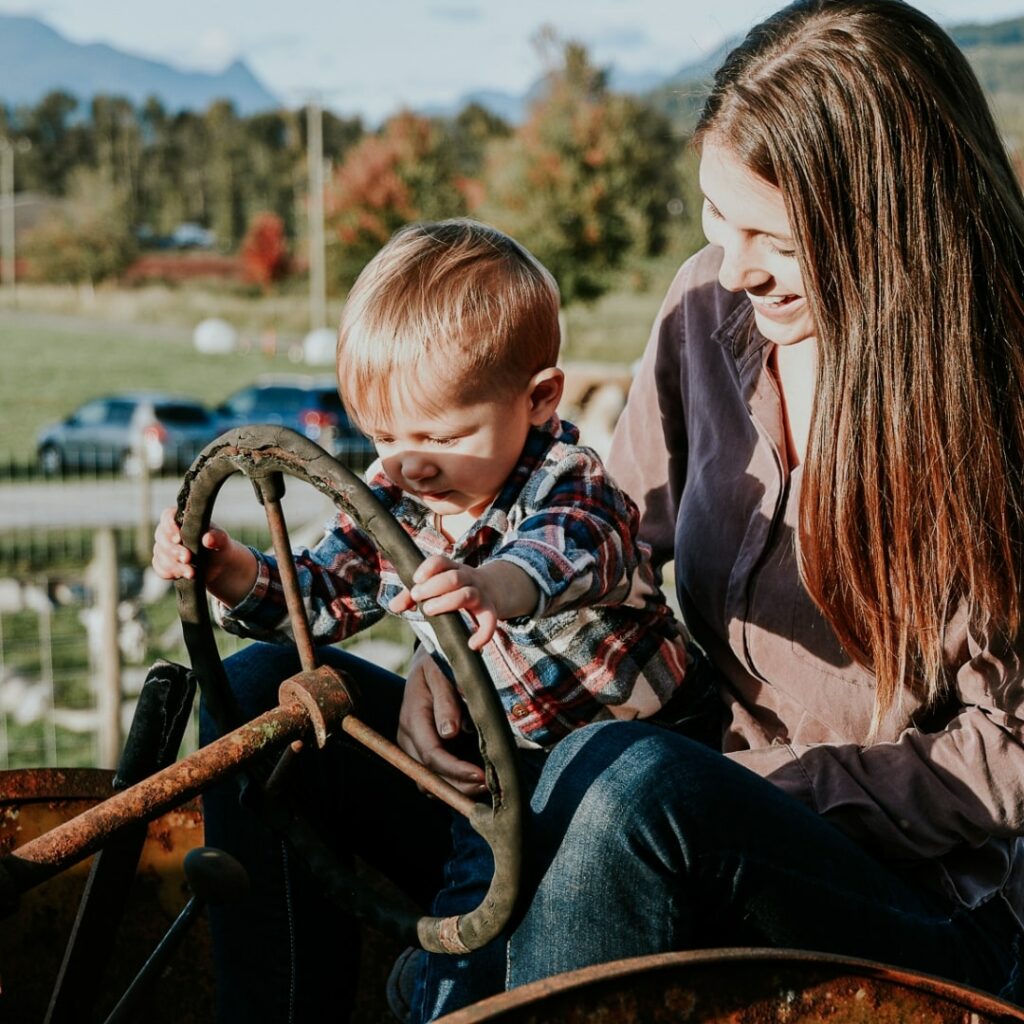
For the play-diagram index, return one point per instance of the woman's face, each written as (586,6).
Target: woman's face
(745,217)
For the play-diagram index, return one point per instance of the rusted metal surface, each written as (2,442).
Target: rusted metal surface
(270,488)
(740,986)
(29,784)
(33,862)
(33,939)
(157,729)
(324,695)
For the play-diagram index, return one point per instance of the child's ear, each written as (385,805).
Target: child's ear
(545,393)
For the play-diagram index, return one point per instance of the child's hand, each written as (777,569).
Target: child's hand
(444,585)
(496,590)
(173,561)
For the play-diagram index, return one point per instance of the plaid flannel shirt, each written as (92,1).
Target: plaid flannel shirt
(601,642)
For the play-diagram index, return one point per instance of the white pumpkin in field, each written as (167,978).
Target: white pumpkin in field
(318,347)
(214,337)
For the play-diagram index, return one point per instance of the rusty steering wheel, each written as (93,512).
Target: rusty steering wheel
(265,455)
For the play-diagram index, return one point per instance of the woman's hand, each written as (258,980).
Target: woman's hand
(430,715)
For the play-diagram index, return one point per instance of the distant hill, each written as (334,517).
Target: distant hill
(36,59)
(995,51)
(681,95)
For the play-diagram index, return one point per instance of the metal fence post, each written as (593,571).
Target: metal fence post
(143,421)
(108,676)
(5,746)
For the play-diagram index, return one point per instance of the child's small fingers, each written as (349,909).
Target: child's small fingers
(450,601)
(430,567)
(437,586)
(484,633)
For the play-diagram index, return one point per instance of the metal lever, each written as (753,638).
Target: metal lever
(214,877)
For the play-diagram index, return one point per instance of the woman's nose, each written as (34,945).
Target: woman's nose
(740,270)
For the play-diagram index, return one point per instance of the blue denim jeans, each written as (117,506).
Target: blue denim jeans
(642,841)
(639,840)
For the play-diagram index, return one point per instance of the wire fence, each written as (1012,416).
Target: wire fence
(117,460)
(52,618)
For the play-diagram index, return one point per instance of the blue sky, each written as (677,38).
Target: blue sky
(374,56)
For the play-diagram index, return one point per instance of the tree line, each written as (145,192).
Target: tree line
(590,181)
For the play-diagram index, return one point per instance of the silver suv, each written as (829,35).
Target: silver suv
(117,432)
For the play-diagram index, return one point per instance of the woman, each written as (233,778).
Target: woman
(827,437)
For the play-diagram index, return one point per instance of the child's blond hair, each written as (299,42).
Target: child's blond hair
(456,303)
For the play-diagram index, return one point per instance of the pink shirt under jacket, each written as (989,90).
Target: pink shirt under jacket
(701,449)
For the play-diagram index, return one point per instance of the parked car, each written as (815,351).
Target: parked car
(116,432)
(192,236)
(309,404)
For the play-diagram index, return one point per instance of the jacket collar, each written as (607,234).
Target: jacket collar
(539,442)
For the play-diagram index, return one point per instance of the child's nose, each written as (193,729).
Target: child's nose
(416,466)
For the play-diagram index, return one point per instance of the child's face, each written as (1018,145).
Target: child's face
(455,461)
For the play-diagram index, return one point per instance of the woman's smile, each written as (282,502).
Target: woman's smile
(778,307)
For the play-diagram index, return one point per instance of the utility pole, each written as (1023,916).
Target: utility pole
(7,230)
(317,269)
(7,223)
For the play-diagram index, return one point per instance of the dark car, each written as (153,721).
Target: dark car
(117,432)
(307,404)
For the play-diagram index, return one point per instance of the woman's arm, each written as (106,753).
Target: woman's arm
(927,792)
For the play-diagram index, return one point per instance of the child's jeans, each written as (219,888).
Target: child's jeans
(287,954)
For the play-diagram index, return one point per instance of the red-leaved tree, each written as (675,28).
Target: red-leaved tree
(403,173)
(264,250)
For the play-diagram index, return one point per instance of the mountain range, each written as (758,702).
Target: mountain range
(995,51)
(36,59)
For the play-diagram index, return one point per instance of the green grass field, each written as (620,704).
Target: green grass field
(49,370)
(58,351)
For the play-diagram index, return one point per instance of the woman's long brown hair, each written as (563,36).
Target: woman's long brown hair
(910,235)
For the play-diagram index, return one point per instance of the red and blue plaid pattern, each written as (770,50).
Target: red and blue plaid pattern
(601,643)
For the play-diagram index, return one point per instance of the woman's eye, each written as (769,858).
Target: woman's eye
(788,253)
(712,210)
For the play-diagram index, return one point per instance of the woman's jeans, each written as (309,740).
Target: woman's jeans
(642,841)
(639,841)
